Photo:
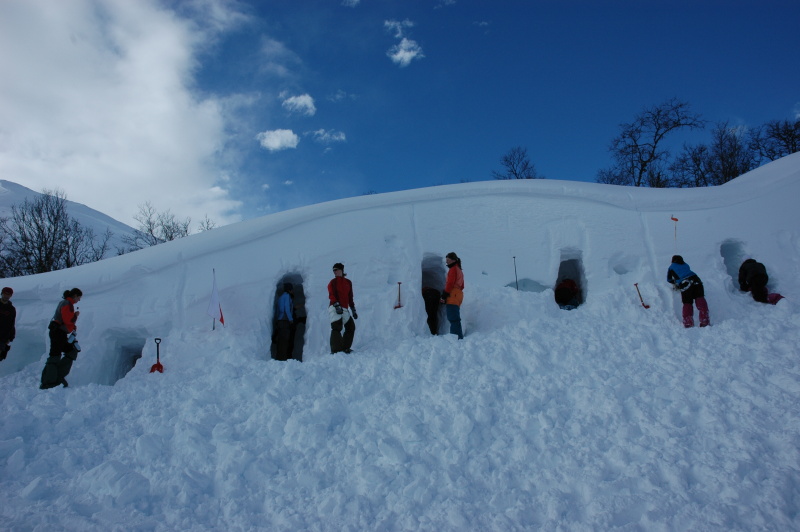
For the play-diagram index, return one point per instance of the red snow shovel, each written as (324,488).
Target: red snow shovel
(640,295)
(157,366)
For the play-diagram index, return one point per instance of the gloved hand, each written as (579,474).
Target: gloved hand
(445,295)
(338,308)
(71,338)
(354,313)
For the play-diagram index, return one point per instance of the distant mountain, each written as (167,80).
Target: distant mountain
(13,194)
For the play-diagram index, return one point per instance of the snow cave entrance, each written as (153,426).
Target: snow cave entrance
(434,275)
(128,347)
(297,331)
(733,255)
(570,287)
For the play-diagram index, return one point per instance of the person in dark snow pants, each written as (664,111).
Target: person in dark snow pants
(8,318)
(342,310)
(64,346)
(284,322)
(691,287)
(753,278)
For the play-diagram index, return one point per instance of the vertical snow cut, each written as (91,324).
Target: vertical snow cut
(733,255)
(296,333)
(434,276)
(570,287)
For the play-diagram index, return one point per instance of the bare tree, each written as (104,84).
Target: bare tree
(730,154)
(154,228)
(207,224)
(40,237)
(727,157)
(517,165)
(640,157)
(691,167)
(776,139)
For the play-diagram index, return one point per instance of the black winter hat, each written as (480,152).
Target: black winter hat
(677,259)
(338,266)
(287,287)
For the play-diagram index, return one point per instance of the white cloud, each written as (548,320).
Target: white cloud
(276,58)
(405,52)
(96,100)
(288,182)
(341,95)
(278,139)
(398,26)
(324,136)
(350,3)
(303,104)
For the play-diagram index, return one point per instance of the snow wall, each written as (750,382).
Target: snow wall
(619,235)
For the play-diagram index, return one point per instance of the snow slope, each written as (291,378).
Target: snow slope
(611,416)
(14,194)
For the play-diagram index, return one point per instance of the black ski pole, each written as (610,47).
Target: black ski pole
(516,281)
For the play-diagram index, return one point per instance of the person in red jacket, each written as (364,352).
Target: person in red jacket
(342,310)
(62,341)
(453,293)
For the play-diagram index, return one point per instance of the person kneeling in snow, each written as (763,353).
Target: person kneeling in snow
(567,294)
(753,278)
(62,341)
(691,288)
(341,310)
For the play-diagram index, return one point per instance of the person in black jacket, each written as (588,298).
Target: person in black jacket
(8,317)
(753,278)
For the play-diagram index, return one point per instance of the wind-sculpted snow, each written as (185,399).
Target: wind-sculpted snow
(611,416)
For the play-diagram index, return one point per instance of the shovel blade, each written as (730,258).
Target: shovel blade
(157,367)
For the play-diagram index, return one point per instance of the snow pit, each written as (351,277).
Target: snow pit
(434,275)
(733,255)
(571,267)
(299,303)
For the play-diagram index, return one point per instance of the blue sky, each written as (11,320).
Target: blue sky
(238,109)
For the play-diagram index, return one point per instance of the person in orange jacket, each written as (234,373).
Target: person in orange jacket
(453,293)
(62,341)
(342,310)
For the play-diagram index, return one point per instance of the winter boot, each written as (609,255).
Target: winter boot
(774,298)
(702,308)
(688,315)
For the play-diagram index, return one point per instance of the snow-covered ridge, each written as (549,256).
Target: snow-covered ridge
(616,235)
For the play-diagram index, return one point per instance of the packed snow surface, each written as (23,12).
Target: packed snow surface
(608,417)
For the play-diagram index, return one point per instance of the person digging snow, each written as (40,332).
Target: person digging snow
(691,288)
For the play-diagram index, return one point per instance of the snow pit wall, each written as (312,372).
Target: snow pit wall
(384,239)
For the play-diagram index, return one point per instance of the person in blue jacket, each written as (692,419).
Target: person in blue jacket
(284,320)
(691,287)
